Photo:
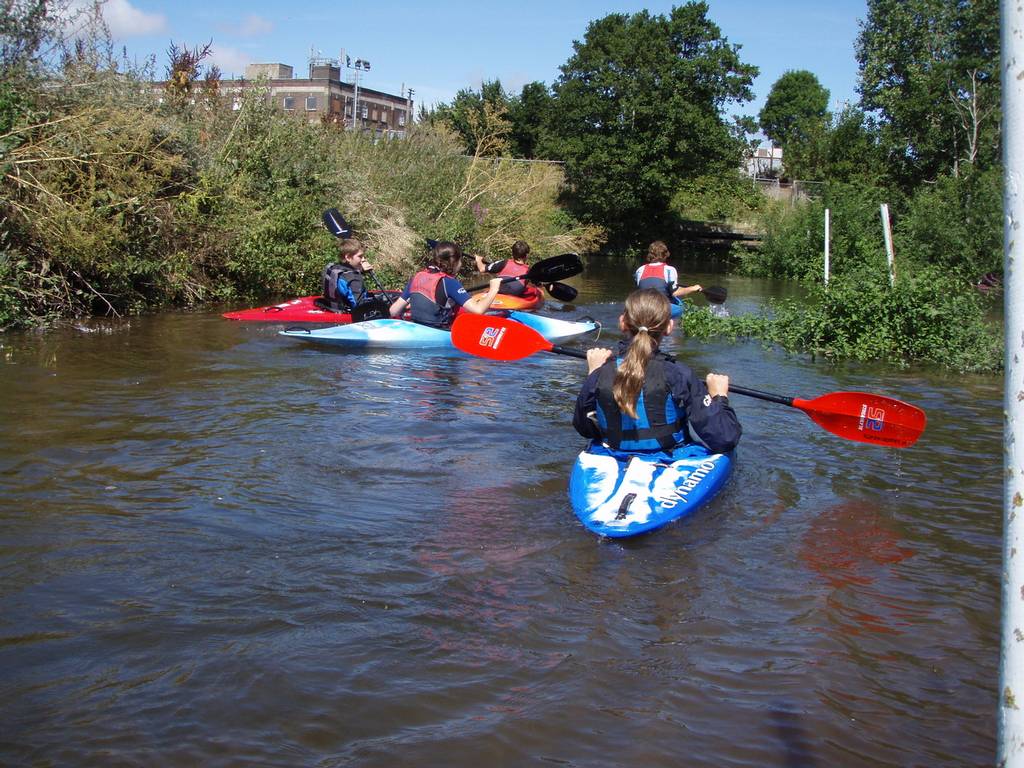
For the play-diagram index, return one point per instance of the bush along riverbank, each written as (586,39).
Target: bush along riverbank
(945,237)
(116,200)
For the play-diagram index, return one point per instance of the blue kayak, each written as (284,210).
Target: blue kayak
(619,494)
(677,306)
(403,334)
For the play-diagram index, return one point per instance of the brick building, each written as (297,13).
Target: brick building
(324,95)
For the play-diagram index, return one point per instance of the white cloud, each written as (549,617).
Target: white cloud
(255,26)
(230,61)
(125,20)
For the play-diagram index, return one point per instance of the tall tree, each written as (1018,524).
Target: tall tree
(529,114)
(795,116)
(473,112)
(930,70)
(639,109)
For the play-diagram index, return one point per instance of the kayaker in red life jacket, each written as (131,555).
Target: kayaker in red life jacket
(517,266)
(643,400)
(434,292)
(661,276)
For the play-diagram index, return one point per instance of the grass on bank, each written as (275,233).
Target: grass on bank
(113,203)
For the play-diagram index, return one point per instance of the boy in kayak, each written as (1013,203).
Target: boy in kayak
(640,399)
(661,276)
(514,267)
(434,293)
(344,287)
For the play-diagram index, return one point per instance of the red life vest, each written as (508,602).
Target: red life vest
(424,305)
(654,276)
(512,269)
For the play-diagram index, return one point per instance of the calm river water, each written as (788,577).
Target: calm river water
(220,546)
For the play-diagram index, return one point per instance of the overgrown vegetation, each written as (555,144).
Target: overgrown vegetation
(945,236)
(116,198)
(930,151)
(925,317)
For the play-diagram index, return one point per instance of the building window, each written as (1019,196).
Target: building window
(365,111)
(311,103)
(401,119)
(289,102)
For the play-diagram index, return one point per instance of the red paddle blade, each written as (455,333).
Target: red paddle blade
(496,338)
(866,418)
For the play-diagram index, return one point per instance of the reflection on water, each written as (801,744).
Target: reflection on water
(220,546)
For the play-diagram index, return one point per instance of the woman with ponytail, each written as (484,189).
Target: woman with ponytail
(434,294)
(640,399)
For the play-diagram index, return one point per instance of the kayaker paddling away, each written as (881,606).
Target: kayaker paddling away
(642,468)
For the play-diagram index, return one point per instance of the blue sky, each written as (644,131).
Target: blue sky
(436,49)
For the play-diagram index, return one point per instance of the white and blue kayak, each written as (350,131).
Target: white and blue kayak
(619,494)
(403,334)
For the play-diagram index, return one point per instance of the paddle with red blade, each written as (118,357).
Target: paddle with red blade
(858,416)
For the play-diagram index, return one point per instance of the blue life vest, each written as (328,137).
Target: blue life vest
(659,424)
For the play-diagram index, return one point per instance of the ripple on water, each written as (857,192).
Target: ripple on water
(222,547)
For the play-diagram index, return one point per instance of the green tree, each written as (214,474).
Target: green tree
(529,115)
(853,148)
(472,114)
(843,148)
(639,110)
(795,117)
(930,69)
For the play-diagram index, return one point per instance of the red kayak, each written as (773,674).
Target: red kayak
(305,309)
(301,310)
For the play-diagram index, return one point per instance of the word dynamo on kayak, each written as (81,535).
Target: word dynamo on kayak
(692,481)
(491,337)
(871,418)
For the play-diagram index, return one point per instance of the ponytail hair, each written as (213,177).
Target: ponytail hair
(646,317)
(446,256)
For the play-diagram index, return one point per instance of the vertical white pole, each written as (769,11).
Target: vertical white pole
(887,231)
(356,125)
(828,237)
(1010,750)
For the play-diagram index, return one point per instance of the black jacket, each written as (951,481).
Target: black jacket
(713,419)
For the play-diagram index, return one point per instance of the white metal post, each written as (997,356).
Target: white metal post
(887,232)
(355,106)
(828,236)
(1011,660)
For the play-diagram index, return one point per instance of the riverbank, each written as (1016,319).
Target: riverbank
(115,203)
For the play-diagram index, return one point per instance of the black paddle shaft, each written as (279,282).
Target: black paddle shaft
(781,399)
(568,351)
(733,389)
